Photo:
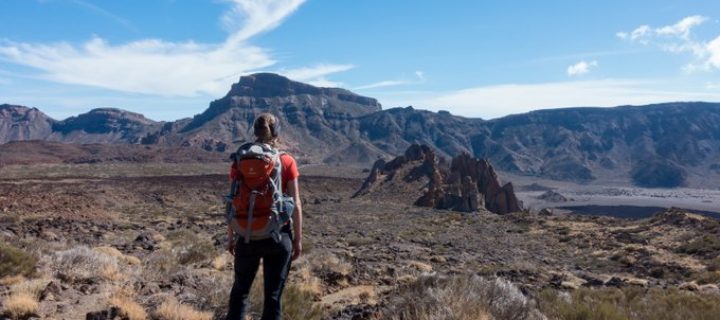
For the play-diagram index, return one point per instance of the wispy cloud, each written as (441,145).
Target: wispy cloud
(499,100)
(419,78)
(105,13)
(678,38)
(154,66)
(581,68)
(248,18)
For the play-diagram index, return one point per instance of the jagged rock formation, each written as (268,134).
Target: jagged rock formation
(498,199)
(664,145)
(467,185)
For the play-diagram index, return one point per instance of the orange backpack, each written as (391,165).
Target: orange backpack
(257,209)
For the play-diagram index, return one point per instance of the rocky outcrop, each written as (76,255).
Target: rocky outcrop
(498,199)
(468,184)
(420,162)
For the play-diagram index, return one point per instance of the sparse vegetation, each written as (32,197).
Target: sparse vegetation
(171,309)
(298,300)
(707,245)
(14,261)
(195,252)
(332,269)
(714,265)
(21,305)
(82,263)
(188,248)
(706,277)
(159,265)
(460,298)
(628,303)
(32,287)
(129,309)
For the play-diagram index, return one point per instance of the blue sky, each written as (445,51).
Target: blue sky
(168,58)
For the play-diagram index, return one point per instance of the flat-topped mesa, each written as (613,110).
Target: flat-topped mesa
(469,185)
(270,85)
(318,117)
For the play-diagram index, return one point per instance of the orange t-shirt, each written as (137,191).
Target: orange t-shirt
(289,170)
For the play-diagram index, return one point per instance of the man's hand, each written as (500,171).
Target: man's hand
(231,247)
(297,249)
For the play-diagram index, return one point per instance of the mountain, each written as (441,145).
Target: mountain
(656,145)
(663,145)
(104,125)
(23,123)
(321,120)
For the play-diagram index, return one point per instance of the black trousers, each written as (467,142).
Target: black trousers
(276,258)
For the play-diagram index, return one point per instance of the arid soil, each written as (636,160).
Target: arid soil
(112,244)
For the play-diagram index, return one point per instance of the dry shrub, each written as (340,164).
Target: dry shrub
(188,248)
(221,262)
(14,261)
(171,309)
(194,252)
(307,281)
(212,288)
(160,265)
(12,280)
(32,287)
(297,302)
(21,305)
(129,309)
(332,269)
(629,303)
(132,260)
(460,298)
(110,251)
(81,263)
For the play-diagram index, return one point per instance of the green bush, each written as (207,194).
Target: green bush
(14,261)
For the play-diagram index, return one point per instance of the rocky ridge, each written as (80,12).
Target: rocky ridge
(663,145)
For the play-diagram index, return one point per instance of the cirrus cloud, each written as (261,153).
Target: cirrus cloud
(158,67)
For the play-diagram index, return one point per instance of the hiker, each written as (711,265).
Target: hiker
(264,219)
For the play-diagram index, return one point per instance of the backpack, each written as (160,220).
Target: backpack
(256,207)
